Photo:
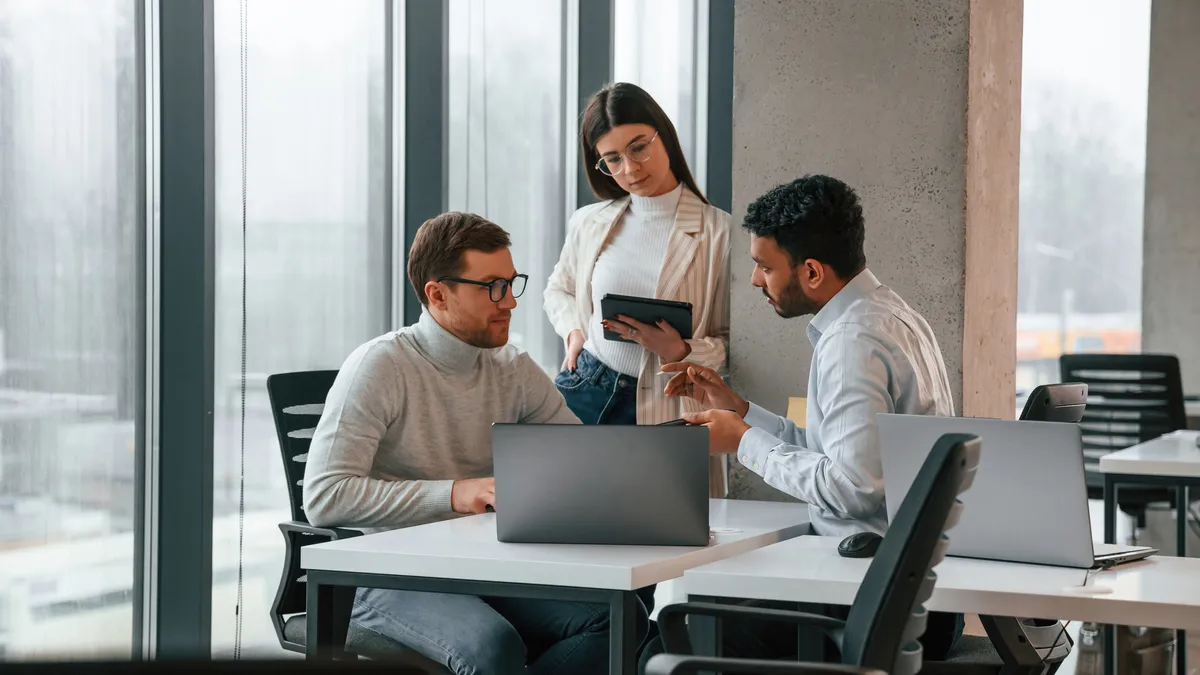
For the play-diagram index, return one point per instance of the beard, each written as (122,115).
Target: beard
(486,336)
(792,302)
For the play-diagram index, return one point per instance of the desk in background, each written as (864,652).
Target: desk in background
(1172,460)
(463,556)
(1161,591)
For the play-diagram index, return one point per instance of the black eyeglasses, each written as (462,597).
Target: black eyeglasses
(496,289)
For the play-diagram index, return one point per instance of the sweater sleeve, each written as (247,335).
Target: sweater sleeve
(366,398)
(543,404)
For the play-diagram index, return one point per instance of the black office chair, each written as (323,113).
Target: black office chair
(1056,403)
(887,618)
(1029,646)
(297,400)
(286,666)
(1132,398)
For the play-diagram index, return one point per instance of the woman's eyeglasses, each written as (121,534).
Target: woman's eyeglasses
(638,151)
(496,289)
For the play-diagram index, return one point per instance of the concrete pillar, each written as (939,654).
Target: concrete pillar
(916,103)
(1171,267)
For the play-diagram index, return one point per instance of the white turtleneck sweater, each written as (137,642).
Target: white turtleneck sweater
(411,412)
(630,265)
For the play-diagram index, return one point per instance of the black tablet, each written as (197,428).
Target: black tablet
(647,310)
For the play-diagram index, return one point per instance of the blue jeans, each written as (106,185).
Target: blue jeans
(473,635)
(598,394)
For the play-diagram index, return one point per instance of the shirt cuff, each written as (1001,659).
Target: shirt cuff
(437,496)
(755,447)
(761,418)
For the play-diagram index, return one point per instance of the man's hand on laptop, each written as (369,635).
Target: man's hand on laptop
(703,385)
(473,495)
(725,429)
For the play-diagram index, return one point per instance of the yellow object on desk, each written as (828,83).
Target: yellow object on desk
(798,410)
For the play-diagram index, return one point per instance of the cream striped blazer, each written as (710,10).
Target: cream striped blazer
(695,270)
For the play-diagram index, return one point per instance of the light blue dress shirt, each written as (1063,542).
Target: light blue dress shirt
(871,354)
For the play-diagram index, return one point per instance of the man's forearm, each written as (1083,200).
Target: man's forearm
(355,501)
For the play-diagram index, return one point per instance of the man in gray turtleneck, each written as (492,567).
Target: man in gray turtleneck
(405,439)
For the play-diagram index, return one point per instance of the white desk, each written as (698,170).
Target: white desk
(1172,460)
(463,556)
(1172,455)
(1161,591)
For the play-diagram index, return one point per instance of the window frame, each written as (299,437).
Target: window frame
(173,589)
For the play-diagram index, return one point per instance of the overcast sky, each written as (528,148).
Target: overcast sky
(1102,45)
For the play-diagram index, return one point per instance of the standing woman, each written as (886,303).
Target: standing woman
(653,235)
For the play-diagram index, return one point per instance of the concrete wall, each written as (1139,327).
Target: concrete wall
(1171,267)
(876,93)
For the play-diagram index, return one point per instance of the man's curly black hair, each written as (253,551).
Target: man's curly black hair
(816,217)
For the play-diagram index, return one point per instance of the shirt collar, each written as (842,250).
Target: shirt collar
(863,284)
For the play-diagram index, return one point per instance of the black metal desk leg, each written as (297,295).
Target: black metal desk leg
(318,643)
(704,631)
(1181,521)
(1181,652)
(343,609)
(810,641)
(622,631)
(1109,635)
(1182,513)
(1110,509)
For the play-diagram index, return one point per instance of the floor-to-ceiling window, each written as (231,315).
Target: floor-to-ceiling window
(1085,73)
(507,141)
(655,46)
(70,357)
(317,282)
(322,150)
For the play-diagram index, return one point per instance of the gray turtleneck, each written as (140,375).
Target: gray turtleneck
(409,413)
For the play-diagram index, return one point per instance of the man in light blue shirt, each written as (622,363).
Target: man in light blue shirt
(872,353)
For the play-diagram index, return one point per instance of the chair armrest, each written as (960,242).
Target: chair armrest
(675,664)
(332,533)
(671,621)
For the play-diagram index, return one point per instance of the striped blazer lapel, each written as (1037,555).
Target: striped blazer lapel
(682,244)
(599,229)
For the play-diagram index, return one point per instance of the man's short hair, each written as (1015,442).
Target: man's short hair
(814,217)
(440,243)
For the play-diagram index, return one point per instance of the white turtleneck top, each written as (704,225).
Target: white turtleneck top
(630,265)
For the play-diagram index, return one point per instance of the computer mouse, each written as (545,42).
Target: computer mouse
(860,545)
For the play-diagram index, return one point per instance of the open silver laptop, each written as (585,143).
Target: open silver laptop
(601,484)
(1029,499)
